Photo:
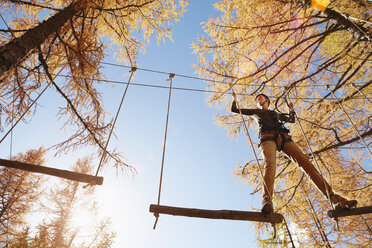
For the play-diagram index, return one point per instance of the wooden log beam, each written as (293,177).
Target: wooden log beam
(342,212)
(70,175)
(217,214)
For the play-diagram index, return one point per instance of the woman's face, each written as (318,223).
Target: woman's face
(260,100)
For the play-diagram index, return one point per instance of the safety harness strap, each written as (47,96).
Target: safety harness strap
(274,137)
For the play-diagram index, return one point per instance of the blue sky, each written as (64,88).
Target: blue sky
(199,159)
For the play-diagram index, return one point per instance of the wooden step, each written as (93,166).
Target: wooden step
(343,212)
(217,214)
(70,175)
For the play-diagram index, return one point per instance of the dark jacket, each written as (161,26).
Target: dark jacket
(267,120)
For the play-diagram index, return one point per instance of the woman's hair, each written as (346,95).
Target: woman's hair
(267,98)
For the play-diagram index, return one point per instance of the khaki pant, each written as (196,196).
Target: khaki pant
(269,148)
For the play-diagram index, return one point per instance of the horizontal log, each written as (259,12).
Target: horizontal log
(217,214)
(70,175)
(342,212)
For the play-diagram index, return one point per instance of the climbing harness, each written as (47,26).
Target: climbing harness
(279,137)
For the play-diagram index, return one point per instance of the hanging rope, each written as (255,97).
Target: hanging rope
(29,107)
(316,219)
(116,117)
(171,76)
(352,123)
(188,77)
(16,74)
(250,140)
(310,148)
(12,121)
(353,84)
(257,160)
(24,113)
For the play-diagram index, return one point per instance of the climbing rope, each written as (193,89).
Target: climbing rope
(151,85)
(29,107)
(12,112)
(310,148)
(187,77)
(171,75)
(352,123)
(249,138)
(133,69)
(12,122)
(311,151)
(354,85)
(316,219)
(257,160)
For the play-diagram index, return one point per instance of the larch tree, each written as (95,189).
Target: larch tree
(56,212)
(289,49)
(74,39)
(19,191)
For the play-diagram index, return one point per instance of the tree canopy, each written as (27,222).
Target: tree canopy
(74,38)
(290,49)
(286,49)
(23,194)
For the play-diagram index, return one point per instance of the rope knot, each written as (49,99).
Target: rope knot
(171,75)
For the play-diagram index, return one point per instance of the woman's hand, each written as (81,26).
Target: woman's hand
(233,94)
(290,105)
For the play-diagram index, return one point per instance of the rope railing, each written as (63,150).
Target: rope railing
(355,86)
(133,69)
(152,85)
(29,107)
(312,154)
(350,120)
(164,146)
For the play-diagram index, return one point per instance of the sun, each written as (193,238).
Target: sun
(107,199)
(104,205)
(82,218)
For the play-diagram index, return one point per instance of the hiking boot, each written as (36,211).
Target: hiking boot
(341,202)
(267,208)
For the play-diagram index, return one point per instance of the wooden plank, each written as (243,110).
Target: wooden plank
(70,175)
(217,214)
(342,212)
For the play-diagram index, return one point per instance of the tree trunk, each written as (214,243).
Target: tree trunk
(15,51)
